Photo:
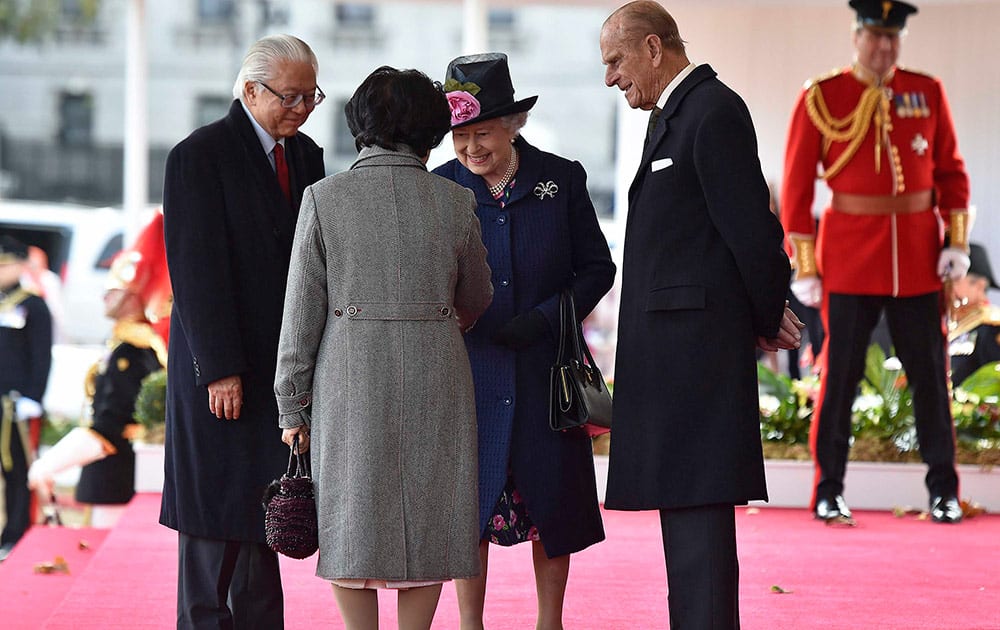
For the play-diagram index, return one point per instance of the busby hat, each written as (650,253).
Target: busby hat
(479,88)
(980,264)
(12,250)
(142,269)
(887,15)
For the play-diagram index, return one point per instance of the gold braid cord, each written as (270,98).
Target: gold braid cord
(851,128)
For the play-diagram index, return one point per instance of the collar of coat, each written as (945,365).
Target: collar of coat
(698,75)
(527,176)
(378,156)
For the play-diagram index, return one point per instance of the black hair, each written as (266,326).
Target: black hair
(393,107)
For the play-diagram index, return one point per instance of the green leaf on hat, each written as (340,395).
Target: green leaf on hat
(452,85)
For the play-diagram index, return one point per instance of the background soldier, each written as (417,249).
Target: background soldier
(885,141)
(25,359)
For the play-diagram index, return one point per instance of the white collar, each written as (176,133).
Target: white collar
(683,74)
(266,141)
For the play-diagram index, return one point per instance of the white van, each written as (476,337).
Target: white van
(80,242)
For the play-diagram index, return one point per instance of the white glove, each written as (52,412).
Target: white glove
(79,447)
(809,291)
(26,409)
(953,263)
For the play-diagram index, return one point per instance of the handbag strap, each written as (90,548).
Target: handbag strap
(570,326)
(298,465)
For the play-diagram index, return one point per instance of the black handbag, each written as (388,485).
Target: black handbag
(290,526)
(578,395)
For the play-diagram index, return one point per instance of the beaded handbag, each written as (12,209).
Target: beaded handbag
(290,526)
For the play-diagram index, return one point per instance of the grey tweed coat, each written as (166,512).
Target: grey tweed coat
(387,261)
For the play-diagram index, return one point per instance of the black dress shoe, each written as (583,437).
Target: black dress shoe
(946,509)
(831,508)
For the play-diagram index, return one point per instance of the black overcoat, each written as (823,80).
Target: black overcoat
(703,275)
(228,230)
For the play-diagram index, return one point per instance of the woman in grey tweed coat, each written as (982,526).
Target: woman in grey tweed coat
(388,268)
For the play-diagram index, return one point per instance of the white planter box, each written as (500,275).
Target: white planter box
(867,486)
(148,467)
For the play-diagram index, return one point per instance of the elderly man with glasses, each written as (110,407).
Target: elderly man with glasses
(230,201)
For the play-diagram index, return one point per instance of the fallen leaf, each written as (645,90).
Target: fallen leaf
(780,591)
(58,565)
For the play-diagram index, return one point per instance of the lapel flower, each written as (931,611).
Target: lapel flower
(546,188)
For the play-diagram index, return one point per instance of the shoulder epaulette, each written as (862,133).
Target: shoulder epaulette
(917,72)
(832,74)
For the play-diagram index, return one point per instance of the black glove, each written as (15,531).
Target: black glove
(522,331)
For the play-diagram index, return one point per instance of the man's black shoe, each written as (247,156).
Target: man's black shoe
(946,509)
(832,508)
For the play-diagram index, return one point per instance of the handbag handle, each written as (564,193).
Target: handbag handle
(298,466)
(569,325)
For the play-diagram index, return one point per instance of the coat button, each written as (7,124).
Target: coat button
(337,312)
(352,310)
(507,401)
(502,219)
(445,311)
(504,282)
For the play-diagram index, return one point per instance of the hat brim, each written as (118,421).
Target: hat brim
(513,108)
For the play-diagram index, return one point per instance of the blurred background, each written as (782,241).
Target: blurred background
(96,92)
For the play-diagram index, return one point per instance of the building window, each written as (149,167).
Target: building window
(357,16)
(343,139)
(501,19)
(216,10)
(210,108)
(76,119)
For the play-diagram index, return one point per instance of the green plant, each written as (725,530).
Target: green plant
(882,414)
(150,404)
(884,407)
(786,407)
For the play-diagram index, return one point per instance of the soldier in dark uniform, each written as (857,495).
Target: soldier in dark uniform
(884,138)
(974,323)
(138,282)
(25,359)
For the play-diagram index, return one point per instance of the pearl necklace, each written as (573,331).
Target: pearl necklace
(498,189)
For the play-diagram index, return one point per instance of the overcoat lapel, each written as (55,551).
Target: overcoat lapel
(276,210)
(699,74)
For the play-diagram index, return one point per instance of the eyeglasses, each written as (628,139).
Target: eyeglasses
(289,101)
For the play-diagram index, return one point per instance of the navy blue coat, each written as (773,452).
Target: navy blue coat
(703,275)
(537,245)
(228,230)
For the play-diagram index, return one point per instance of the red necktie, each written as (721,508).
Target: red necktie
(281,168)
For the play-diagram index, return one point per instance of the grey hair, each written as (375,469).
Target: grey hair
(514,122)
(260,61)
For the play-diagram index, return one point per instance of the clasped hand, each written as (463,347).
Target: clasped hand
(789,334)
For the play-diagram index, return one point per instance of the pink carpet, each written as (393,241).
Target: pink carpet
(886,573)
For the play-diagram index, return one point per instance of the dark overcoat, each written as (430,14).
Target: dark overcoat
(544,239)
(228,230)
(703,275)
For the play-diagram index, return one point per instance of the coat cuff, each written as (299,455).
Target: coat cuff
(294,404)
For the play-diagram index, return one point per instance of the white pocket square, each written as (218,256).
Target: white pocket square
(659,165)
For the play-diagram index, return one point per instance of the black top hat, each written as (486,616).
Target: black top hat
(479,88)
(12,250)
(980,264)
(884,14)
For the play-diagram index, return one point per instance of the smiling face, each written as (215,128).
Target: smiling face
(484,148)
(290,77)
(877,49)
(631,68)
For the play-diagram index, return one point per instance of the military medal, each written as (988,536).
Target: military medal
(919,144)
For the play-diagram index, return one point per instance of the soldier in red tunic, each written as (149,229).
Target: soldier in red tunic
(885,144)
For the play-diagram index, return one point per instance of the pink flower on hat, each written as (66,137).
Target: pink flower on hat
(464,106)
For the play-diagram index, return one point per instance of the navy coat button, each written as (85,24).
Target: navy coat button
(501,219)
(507,401)
(504,282)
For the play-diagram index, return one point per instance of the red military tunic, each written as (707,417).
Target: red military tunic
(875,253)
